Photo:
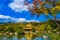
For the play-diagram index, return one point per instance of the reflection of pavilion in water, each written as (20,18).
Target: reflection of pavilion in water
(28,31)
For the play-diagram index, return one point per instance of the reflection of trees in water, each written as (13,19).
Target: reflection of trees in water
(4,38)
(19,38)
(12,38)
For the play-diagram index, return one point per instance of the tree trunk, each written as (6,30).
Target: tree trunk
(55,20)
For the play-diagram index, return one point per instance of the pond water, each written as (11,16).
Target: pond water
(20,38)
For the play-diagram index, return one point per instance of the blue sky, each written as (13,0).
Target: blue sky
(15,10)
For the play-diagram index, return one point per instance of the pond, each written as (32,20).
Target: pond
(20,38)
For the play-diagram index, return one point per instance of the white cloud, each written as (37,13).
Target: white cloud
(3,16)
(21,20)
(33,20)
(18,6)
(12,19)
(9,18)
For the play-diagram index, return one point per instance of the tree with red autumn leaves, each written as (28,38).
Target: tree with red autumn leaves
(51,7)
